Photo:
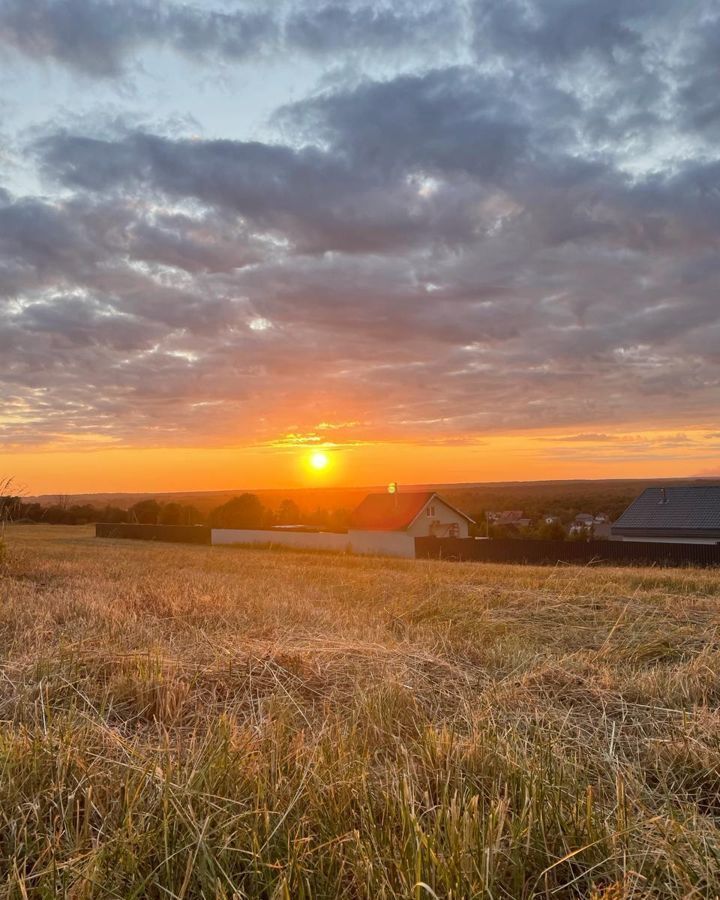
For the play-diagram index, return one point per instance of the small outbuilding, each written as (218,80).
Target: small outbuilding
(675,515)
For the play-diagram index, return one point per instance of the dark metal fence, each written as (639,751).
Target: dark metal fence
(574,552)
(175,534)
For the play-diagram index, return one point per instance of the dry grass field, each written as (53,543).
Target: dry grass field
(184,722)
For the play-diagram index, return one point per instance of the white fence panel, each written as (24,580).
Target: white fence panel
(301,540)
(386,543)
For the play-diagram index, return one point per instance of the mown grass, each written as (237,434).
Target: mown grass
(213,722)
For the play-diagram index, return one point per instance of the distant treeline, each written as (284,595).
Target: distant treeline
(563,501)
(244,511)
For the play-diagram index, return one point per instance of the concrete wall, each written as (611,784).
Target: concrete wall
(301,540)
(385,543)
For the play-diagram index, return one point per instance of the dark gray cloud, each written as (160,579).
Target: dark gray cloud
(529,239)
(326,28)
(89,36)
(452,120)
(98,37)
(318,200)
(561,31)
(698,76)
(86,242)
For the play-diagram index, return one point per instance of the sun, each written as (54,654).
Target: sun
(319,460)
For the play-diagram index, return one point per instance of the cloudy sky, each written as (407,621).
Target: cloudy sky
(464,240)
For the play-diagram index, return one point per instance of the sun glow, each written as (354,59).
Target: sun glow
(319,460)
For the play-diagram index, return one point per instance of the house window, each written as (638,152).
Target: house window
(430,511)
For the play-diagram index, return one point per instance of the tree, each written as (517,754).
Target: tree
(179,514)
(171,514)
(81,515)
(339,519)
(288,513)
(33,511)
(146,512)
(319,517)
(113,514)
(550,531)
(245,511)
(192,515)
(54,515)
(72,515)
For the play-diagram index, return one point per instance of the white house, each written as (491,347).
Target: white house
(417,513)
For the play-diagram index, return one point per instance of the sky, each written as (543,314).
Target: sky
(443,241)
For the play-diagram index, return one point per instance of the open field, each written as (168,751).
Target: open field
(213,722)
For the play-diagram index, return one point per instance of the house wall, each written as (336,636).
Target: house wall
(384,543)
(300,540)
(439,524)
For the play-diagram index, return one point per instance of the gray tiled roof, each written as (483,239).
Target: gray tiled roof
(679,509)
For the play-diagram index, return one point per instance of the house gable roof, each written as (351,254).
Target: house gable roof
(692,511)
(394,512)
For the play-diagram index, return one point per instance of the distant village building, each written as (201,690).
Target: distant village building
(676,515)
(585,519)
(596,526)
(509,517)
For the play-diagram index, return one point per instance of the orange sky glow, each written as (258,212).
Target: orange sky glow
(540,456)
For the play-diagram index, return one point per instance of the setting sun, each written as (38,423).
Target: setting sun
(319,460)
